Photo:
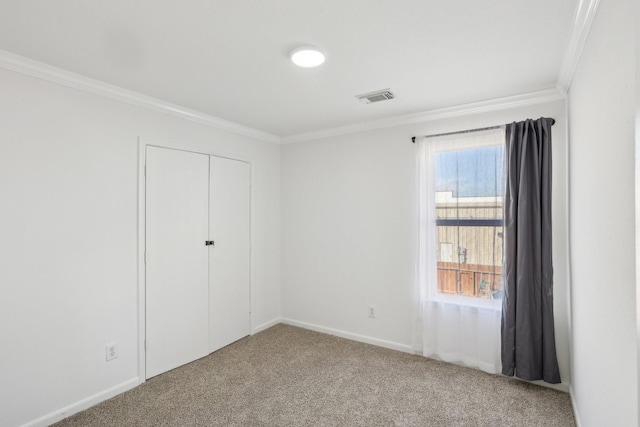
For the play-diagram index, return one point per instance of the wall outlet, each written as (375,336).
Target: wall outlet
(112,351)
(372,311)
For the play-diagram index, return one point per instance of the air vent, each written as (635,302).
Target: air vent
(377,96)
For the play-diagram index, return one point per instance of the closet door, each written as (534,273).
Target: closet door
(177,292)
(229,259)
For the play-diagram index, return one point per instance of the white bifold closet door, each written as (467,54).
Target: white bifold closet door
(230,259)
(177,282)
(197,295)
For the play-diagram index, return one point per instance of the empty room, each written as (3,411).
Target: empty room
(319,213)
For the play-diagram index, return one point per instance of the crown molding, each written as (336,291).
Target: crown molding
(585,13)
(39,70)
(531,98)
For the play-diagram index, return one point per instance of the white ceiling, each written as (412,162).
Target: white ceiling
(230,58)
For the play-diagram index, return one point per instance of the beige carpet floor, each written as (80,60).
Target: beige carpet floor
(288,376)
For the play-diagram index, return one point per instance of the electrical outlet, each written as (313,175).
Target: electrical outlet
(372,311)
(112,351)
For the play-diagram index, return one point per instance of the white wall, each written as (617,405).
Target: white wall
(601,117)
(68,248)
(68,191)
(349,229)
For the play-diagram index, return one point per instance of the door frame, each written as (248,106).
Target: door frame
(143,143)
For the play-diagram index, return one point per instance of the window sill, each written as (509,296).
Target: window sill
(470,302)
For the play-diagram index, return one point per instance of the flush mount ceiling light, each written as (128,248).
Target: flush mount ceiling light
(307,56)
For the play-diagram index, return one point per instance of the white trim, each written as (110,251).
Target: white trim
(143,143)
(43,71)
(174,144)
(142,238)
(637,191)
(567,240)
(576,414)
(563,386)
(266,325)
(351,336)
(585,13)
(39,70)
(532,98)
(83,404)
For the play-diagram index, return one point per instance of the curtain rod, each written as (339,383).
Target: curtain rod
(413,138)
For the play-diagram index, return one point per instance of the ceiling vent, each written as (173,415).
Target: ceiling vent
(377,96)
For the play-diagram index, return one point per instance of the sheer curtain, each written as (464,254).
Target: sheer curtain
(452,328)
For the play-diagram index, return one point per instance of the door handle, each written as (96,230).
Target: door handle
(210,243)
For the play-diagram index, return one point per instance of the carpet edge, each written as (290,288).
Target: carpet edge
(349,335)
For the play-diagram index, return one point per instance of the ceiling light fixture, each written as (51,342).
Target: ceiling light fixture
(307,56)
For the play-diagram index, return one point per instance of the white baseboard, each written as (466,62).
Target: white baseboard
(563,387)
(83,404)
(90,401)
(576,414)
(348,335)
(266,325)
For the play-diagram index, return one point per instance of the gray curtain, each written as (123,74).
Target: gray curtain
(528,337)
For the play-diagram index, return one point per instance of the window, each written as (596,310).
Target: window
(468,204)
(463,214)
